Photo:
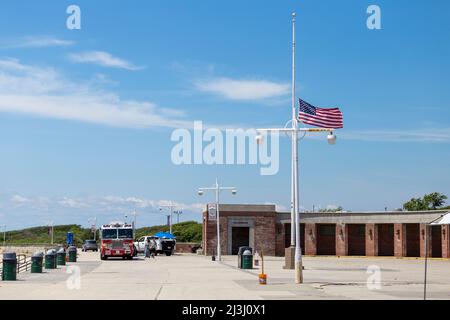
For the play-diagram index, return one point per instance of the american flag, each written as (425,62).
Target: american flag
(320,117)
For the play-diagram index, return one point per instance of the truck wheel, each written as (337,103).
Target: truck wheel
(130,257)
(103,257)
(168,253)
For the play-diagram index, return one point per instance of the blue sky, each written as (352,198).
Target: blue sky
(86,115)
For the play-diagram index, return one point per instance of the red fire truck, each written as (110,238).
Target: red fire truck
(116,240)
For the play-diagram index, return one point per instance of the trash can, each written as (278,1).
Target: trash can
(247,260)
(36,262)
(72,254)
(240,253)
(50,259)
(9,270)
(61,257)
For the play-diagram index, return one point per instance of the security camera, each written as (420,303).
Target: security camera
(234,191)
(200,192)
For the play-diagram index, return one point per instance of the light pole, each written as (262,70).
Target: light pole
(171,206)
(94,226)
(293,131)
(51,224)
(4,235)
(217,190)
(178,213)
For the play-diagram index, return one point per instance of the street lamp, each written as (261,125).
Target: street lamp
(178,213)
(217,190)
(93,226)
(51,224)
(171,206)
(293,131)
(4,235)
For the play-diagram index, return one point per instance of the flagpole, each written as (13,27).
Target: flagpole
(293,210)
(295,205)
(298,252)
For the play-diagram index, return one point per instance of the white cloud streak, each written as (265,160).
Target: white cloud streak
(104,59)
(102,204)
(36,42)
(432,135)
(45,92)
(243,89)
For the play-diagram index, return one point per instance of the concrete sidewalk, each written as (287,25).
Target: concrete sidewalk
(187,276)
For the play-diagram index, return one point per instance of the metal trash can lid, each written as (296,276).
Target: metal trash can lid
(9,256)
(242,249)
(61,250)
(247,253)
(37,254)
(51,251)
(72,248)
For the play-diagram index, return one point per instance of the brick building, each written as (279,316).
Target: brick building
(400,234)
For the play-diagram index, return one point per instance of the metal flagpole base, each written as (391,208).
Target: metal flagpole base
(298,272)
(289,258)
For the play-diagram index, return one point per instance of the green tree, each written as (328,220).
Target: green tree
(435,200)
(415,204)
(430,201)
(338,209)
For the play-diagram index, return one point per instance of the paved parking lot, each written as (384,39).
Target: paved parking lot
(197,277)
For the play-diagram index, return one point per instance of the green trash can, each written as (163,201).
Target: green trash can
(36,262)
(247,260)
(240,253)
(61,257)
(50,259)
(9,271)
(72,254)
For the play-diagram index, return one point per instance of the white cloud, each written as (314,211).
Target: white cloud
(39,203)
(104,59)
(45,92)
(243,89)
(435,135)
(36,42)
(101,204)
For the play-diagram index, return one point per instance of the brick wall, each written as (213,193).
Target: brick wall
(310,239)
(371,240)
(341,240)
(185,247)
(265,238)
(399,240)
(280,237)
(445,241)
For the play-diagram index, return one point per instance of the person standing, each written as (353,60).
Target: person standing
(147,248)
(153,248)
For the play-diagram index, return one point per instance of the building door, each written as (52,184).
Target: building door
(326,239)
(436,242)
(240,237)
(412,240)
(356,239)
(385,239)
